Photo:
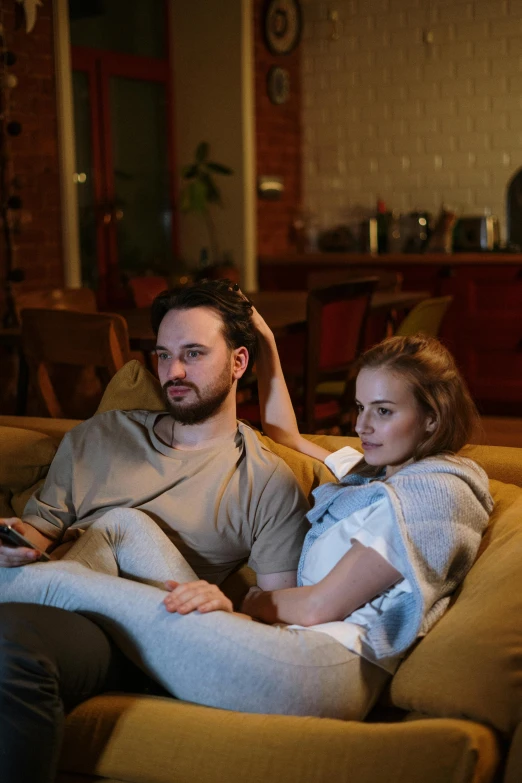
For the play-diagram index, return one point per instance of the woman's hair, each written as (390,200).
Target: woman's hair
(218,295)
(437,385)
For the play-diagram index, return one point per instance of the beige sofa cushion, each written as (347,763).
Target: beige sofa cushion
(159,740)
(470,664)
(25,456)
(132,388)
(502,463)
(309,472)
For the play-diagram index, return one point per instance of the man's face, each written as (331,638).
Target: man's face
(195,366)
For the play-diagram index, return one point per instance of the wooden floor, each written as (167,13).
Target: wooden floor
(501,432)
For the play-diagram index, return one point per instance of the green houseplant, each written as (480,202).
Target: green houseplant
(200,194)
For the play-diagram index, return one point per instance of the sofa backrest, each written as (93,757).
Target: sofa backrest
(134,387)
(470,664)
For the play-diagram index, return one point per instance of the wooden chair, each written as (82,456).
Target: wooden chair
(326,348)
(146,288)
(387,279)
(81,299)
(425,318)
(60,339)
(335,327)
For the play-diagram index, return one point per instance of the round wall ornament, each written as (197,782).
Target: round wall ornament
(278,84)
(282,25)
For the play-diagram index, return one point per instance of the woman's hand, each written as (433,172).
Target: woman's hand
(196,596)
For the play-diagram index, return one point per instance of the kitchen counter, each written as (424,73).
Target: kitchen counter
(392,259)
(482,328)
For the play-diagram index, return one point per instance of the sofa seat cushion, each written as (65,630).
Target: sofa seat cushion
(144,739)
(25,456)
(470,664)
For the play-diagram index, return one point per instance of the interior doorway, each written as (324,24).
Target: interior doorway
(123,140)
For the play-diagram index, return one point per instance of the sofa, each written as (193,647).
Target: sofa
(452,713)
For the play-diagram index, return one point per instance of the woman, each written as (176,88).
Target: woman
(387,547)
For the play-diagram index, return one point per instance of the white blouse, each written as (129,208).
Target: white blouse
(372,527)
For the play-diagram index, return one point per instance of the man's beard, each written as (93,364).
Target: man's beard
(206,404)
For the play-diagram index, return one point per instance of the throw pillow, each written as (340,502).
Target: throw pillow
(25,456)
(132,388)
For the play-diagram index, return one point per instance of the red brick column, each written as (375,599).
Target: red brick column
(34,153)
(278,139)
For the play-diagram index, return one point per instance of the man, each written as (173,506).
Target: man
(220,496)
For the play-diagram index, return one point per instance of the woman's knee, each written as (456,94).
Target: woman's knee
(122,520)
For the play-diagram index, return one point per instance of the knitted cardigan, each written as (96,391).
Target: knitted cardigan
(440,506)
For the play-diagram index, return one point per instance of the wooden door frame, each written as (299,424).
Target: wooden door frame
(84,62)
(130,66)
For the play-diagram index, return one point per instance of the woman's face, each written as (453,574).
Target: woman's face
(391,423)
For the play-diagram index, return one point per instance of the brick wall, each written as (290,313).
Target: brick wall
(34,154)
(387,113)
(278,140)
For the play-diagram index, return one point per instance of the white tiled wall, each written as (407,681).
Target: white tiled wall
(388,113)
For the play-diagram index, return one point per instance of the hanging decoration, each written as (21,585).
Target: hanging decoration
(30,11)
(10,201)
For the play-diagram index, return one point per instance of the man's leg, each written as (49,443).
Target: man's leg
(50,661)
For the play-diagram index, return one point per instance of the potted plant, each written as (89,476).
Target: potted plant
(200,194)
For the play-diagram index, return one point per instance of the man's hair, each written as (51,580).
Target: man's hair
(218,295)
(437,385)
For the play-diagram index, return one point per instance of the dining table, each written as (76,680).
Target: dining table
(280,309)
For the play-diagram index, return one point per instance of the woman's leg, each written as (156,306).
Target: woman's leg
(217,659)
(126,542)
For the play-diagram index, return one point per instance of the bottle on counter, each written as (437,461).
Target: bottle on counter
(395,232)
(383,219)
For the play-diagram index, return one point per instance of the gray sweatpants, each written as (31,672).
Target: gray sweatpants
(217,659)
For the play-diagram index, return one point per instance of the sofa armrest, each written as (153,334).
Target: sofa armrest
(54,428)
(155,739)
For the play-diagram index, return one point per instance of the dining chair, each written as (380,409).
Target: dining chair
(59,345)
(426,317)
(326,348)
(335,328)
(387,279)
(81,299)
(146,288)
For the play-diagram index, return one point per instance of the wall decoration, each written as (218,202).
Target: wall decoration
(278,85)
(10,201)
(30,11)
(282,24)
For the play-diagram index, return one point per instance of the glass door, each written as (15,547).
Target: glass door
(123,149)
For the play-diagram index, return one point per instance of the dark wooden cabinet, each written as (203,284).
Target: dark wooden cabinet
(483,327)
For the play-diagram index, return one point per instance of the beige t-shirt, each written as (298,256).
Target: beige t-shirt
(221,506)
